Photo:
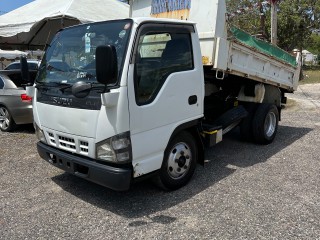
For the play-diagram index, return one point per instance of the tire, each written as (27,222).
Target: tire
(246,130)
(7,123)
(265,123)
(179,162)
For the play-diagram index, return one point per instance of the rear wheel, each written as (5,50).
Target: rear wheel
(6,121)
(179,163)
(265,123)
(246,130)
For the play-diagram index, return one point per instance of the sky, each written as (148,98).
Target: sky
(9,5)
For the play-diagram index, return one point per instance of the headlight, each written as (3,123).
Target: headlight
(116,149)
(105,151)
(39,134)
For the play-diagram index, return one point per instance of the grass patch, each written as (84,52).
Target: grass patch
(310,76)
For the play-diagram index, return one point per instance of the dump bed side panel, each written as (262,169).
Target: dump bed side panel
(248,62)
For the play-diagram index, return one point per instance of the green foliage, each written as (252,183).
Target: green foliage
(314,44)
(296,20)
(244,14)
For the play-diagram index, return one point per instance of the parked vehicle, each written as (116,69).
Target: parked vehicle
(145,96)
(14,73)
(33,64)
(15,105)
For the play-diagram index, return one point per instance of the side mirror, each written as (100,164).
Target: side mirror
(106,65)
(24,70)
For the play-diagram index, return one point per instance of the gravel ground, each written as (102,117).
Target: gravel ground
(245,191)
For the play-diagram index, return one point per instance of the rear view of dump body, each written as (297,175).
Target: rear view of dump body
(226,49)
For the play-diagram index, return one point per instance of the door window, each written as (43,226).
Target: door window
(159,54)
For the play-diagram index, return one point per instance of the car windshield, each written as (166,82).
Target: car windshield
(70,57)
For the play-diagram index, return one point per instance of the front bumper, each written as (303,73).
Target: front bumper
(118,179)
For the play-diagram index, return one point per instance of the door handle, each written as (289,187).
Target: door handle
(193,100)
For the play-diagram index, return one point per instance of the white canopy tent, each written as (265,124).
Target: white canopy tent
(33,25)
(7,54)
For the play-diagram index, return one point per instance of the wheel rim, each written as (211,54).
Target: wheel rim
(270,124)
(179,161)
(4,118)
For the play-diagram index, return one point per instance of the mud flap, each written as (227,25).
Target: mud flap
(211,134)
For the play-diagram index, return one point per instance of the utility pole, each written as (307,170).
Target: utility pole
(130,2)
(274,22)
(262,21)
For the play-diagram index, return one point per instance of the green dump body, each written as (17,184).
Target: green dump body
(262,46)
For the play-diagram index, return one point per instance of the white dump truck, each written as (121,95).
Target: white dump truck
(121,100)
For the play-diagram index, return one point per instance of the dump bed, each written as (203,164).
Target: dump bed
(226,49)
(261,61)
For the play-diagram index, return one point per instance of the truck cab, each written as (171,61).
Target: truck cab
(111,133)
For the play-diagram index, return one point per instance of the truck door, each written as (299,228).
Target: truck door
(165,90)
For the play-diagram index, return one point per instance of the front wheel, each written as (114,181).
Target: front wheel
(265,123)
(179,163)
(6,121)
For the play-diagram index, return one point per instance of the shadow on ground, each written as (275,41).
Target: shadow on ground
(145,200)
(244,154)
(24,128)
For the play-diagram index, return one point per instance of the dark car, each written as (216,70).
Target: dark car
(32,65)
(13,70)
(15,105)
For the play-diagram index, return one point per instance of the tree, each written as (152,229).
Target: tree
(296,19)
(314,44)
(244,14)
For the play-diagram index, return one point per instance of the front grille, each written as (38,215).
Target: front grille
(51,138)
(84,147)
(68,143)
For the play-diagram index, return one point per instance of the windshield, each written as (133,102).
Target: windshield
(70,57)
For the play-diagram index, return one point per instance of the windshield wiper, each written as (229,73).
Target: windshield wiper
(50,85)
(96,85)
(82,89)
(77,88)
(65,86)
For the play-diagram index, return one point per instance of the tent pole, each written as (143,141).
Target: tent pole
(130,7)
(37,32)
